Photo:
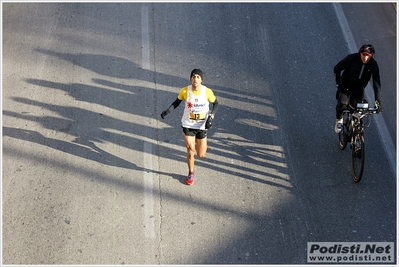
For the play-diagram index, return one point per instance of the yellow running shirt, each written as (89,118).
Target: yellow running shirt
(196,108)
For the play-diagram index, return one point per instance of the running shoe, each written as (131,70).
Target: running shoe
(338,125)
(190,178)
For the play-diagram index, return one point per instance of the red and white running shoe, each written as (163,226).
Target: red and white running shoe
(190,179)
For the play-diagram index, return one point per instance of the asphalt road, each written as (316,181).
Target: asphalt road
(93,175)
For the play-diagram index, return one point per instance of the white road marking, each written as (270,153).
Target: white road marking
(149,218)
(145,37)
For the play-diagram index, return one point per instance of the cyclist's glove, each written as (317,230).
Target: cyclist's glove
(378,106)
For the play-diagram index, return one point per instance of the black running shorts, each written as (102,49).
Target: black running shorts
(199,134)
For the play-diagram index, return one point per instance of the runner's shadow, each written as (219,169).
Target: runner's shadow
(81,148)
(84,149)
(180,178)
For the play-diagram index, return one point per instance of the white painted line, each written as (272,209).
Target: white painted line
(145,37)
(149,218)
(386,138)
(148,178)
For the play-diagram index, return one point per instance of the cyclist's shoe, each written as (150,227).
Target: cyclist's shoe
(338,125)
(190,179)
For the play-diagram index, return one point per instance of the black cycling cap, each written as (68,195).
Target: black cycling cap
(367,49)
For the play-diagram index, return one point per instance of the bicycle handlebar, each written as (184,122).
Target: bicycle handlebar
(359,113)
(352,110)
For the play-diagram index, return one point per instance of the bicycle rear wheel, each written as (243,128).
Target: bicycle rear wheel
(357,157)
(342,136)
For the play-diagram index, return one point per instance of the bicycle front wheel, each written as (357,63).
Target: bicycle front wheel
(357,157)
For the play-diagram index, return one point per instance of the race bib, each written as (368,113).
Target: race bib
(197,116)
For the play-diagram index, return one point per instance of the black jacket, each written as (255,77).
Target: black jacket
(351,79)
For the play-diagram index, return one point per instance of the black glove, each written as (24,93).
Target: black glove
(208,123)
(378,106)
(164,113)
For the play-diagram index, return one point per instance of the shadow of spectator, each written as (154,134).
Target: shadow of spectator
(116,67)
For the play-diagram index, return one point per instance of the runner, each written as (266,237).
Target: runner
(197,118)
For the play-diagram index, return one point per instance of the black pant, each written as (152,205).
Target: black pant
(346,98)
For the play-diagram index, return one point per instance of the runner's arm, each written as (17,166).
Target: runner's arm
(174,105)
(214,107)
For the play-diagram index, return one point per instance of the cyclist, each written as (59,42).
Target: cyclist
(195,118)
(358,68)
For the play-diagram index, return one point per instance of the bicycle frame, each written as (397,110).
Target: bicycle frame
(353,131)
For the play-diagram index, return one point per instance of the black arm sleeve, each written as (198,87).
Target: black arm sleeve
(214,107)
(376,82)
(175,104)
(343,65)
(338,68)
(337,74)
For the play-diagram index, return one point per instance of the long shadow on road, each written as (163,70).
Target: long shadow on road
(256,155)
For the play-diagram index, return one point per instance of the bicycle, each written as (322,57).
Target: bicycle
(353,131)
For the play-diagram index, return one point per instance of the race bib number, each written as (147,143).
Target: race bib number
(197,116)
